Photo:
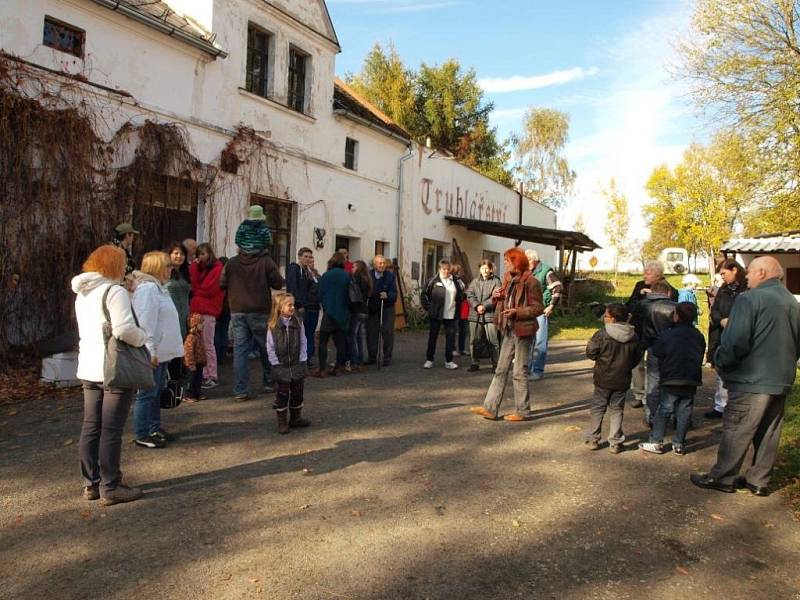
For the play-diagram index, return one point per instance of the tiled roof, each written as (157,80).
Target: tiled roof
(788,242)
(345,97)
(175,22)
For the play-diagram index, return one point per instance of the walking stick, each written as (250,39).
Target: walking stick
(379,357)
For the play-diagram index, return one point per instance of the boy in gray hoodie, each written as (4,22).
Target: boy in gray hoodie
(615,350)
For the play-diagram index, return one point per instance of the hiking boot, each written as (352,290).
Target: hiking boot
(91,492)
(151,441)
(121,494)
(283,421)
(652,447)
(296,419)
(593,444)
(472,368)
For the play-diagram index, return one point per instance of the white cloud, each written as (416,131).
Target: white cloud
(517,83)
(639,123)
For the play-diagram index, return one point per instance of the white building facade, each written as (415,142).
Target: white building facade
(252,85)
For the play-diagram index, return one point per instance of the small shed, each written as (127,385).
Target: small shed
(784,246)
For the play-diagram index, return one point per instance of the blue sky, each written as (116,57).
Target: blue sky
(604,62)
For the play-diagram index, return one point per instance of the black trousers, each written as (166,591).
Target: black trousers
(330,328)
(463,331)
(449,336)
(104,414)
(387,333)
(195,382)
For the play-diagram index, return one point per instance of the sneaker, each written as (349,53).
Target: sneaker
(121,494)
(252,355)
(151,441)
(535,376)
(456,353)
(450,365)
(164,436)
(428,364)
(652,447)
(242,397)
(91,492)
(679,450)
(472,368)
(209,384)
(616,448)
(713,414)
(593,444)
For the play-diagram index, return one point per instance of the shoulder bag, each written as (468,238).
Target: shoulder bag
(124,365)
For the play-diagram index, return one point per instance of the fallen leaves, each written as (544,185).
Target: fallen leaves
(355,513)
(572,428)
(68,442)
(717,517)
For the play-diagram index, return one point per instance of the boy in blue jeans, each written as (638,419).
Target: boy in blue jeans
(680,351)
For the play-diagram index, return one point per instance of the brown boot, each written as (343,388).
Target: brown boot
(283,421)
(122,493)
(296,419)
(479,410)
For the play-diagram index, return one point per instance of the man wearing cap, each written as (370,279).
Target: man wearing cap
(124,236)
(248,277)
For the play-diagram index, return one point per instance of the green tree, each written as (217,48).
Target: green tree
(440,102)
(743,60)
(386,82)
(540,164)
(617,223)
(697,204)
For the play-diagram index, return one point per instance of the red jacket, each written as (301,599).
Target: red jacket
(207,296)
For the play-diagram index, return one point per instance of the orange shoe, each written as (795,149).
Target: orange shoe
(516,418)
(479,410)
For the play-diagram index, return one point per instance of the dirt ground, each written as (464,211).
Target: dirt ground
(396,491)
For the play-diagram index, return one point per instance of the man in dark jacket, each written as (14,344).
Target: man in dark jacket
(248,279)
(653,274)
(481,313)
(757,360)
(615,352)
(298,281)
(680,352)
(653,316)
(381,305)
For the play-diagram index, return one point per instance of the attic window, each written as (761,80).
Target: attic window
(65,38)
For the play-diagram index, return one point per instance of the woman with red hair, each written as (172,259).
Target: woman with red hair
(517,304)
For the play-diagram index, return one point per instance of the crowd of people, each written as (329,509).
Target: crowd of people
(180,304)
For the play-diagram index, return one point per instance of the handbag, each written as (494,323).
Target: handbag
(172,394)
(124,366)
(481,348)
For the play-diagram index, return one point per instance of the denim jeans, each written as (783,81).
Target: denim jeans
(100,448)
(147,406)
(611,402)
(538,355)
(514,349)
(681,406)
(358,338)
(248,329)
(652,393)
(310,320)
(449,338)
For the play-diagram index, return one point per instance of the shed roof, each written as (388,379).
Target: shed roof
(347,99)
(538,235)
(781,243)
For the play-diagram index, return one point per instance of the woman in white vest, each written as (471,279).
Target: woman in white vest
(104,410)
(159,318)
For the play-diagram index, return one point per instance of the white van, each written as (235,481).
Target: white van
(675,261)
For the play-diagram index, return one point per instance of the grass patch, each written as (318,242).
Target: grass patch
(581,324)
(787,466)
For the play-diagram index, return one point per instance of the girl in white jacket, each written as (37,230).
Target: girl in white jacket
(159,318)
(105,410)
